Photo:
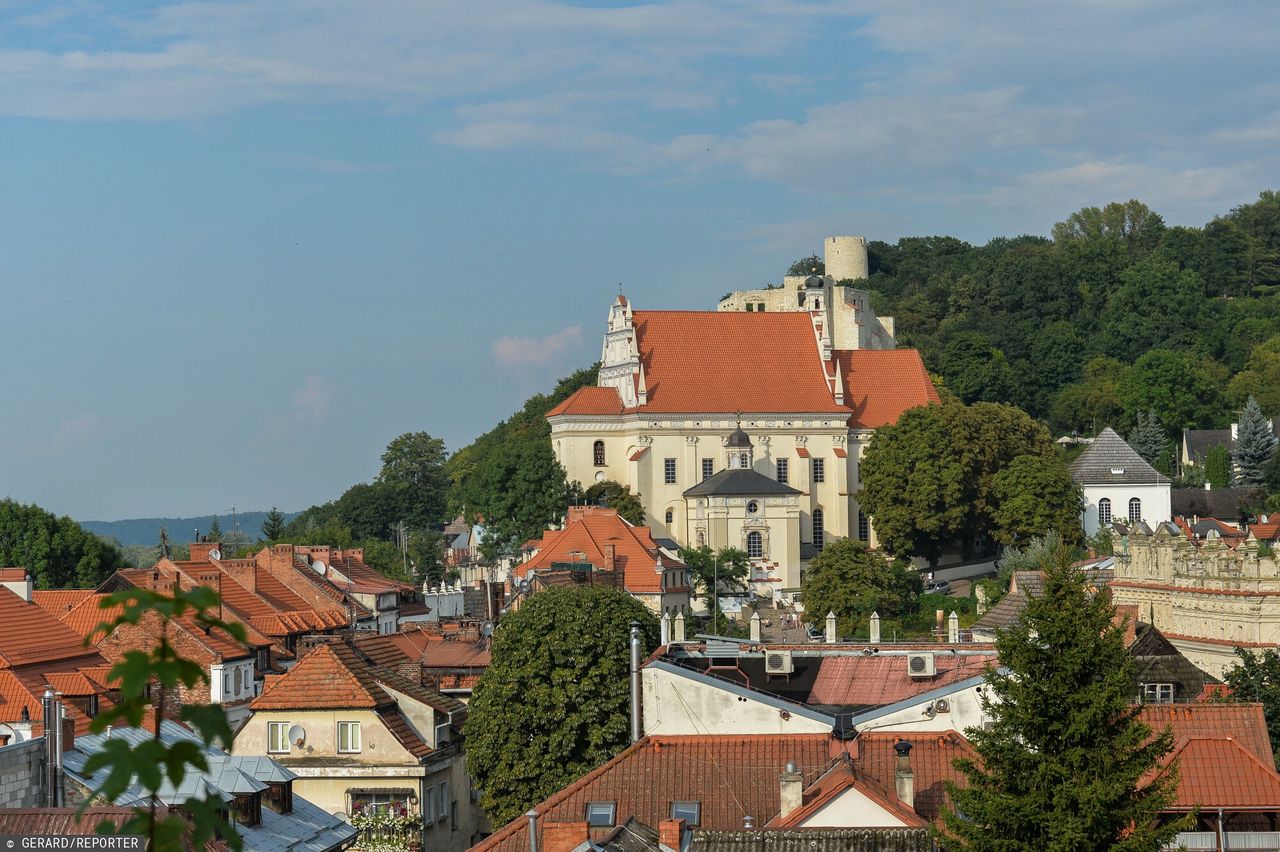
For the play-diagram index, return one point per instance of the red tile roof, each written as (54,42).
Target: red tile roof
(1221,773)
(931,761)
(327,677)
(31,635)
(879,680)
(85,616)
(1269,531)
(590,400)
(880,384)
(1243,723)
(58,601)
(839,779)
(732,776)
(72,683)
(590,531)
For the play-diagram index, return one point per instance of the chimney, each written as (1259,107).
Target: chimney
(635,681)
(670,832)
(563,836)
(52,749)
(18,581)
(609,557)
(875,628)
(904,780)
(532,816)
(665,626)
(792,789)
(755,627)
(200,550)
(677,632)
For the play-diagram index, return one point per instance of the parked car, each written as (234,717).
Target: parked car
(938,587)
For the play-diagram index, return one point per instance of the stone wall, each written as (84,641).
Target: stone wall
(22,774)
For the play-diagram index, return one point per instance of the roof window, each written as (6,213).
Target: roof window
(601,814)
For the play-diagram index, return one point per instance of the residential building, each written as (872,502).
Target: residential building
(597,545)
(807,370)
(1119,485)
(1196,443)
(448,657)
(359,736)
(1232,506)
(259,795)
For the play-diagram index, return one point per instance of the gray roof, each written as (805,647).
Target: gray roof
(1200,441)
(307,827)
(1111,461)
(739,481)
(814,840)
(1225,503)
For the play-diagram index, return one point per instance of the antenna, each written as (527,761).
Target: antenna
(164,543)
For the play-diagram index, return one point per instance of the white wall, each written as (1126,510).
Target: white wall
(1155,499)
(964,711)
(675,704)
(853,809)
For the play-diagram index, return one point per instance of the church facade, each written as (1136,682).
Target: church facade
(743,426)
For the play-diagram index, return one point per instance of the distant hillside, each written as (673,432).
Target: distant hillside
(146,531)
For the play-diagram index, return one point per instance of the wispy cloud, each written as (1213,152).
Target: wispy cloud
(69,434)
(311,400)
(536,351)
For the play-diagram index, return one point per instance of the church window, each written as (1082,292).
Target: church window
(671,516)
(819,469)
(782,471)
(819,531)
(753,507)
(1104,511)
(597,453)
(708,468)
(669,471)
(1135,510)
(760,307)
(864,527)
(817,304)
(755,545)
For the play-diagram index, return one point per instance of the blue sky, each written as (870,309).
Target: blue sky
(244,244)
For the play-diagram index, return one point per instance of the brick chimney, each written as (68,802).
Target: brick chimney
(904,780)
(563,836)
(669,833)
(200,550)
(610,557)
(792,789)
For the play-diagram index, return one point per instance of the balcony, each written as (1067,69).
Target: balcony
(1236,841)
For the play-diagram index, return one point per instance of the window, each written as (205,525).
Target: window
(597,453)
(600,813)
(819,470)
(690,812)
(671,516)
(819,530)
(382,800)
(1135,510)
(864,527)
(1104,511)
(752,507)
(755,545)
(782,471)
(442,801)
(348,737)
(1157,693)
(277,737)
(708,468)
(669,471)
(226,683)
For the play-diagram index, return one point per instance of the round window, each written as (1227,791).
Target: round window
(753,507)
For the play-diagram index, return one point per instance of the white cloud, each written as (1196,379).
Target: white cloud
(70,433)
(311,400)
(536,351)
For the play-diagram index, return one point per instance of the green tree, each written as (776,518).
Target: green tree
(215,530)
(152,763)
(413,466)
(728,569)
(1254,447)
(853,581)
(1149,438)
(1131,224)
(1217,466)
(929,478)
(1064,762)
(1176,387)
(1093,402)
(1260,377)
(977,372)
(1035,495)
(273,525)
(56,550)
(1256,677)
(615,495)
(811,265)
(554,703)
(1156,305)
(370,510)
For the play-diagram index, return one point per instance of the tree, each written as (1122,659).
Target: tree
(1035,495)
(1176,387)
(57,551)
(1094,401)
(811,265)
(1132,224)
(215,530)
(370,510)
(1148,438)
(1062,766)
(273,525)
(615,495)
(728,568)
(1260,377)
(554,703)
(413,467)
(1217,466)
(1156,305)
(929,478)
(1256,677)
(976,371)
(1255,445)
(853,581)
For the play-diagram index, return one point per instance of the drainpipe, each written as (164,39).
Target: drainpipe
(1222,840)
(532,816)
(49,705)
(635,683)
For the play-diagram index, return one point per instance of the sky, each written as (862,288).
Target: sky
(245,244)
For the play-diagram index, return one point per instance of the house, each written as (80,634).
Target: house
(71,822)
(361,737)
(1118,484)
(599,545)
(1232,506)
(258,794)
(1196,443)
(446,657)
(807,371)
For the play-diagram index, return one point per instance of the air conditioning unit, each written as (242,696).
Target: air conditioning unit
(920,665)
(942,705)
(778,663)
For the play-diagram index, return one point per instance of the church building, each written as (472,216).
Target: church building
(743,426)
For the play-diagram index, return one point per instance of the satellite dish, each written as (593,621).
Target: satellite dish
(215,554)
(487,629)
(319,567)
(297,735)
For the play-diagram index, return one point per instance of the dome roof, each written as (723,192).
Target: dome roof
(814,282)
(739,439)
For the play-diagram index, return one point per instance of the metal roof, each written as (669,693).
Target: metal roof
(742,482)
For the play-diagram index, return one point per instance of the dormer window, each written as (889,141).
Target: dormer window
(248,809)
(690,812)
(280,796)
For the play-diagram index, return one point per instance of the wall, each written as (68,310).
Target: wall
(1155,499)
(852,809)
(379,746)
(22,774)
(674,704)
(964,711)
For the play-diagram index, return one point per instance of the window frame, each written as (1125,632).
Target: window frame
(695,806)
(755,538)
(612,814)
(1156,693)
(864,526)
(669,471)
(670,516)
(1104,508)
(818,469)
(271,738)
(1135,503)
(359,744)
(708,469)
(818,528)
(782,471)
(597,454)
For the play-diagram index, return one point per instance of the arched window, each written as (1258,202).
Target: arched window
(755,545)
(671,516)
(597,453)
(1135,510)
(819,532)
(1104,511)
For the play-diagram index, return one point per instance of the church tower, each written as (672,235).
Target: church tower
(620,365)
(739,451)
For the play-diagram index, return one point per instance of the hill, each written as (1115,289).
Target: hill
(146,531)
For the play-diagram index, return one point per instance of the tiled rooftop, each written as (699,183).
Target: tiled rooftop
(590,531)
(875,681)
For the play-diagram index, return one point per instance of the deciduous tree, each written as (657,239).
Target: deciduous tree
(853,581)
(1256,677)
(1036,495)
(57,551)
(615,495)
(413,467)
(1174,385)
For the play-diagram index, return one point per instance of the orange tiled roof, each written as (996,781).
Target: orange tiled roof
(932,754)
(58,601)
(31,635)
(1220,773)
(1269,531)
(590,531)
(837,780)
(590,400)
(85,616)
(72,683)
(880,384)
(1243,723)
(880,680)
